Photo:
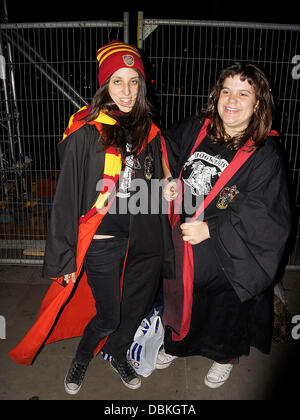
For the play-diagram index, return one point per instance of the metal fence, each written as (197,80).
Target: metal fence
(186,56)
(48,71)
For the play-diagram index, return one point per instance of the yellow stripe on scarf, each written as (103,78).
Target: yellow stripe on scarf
(103,118)
(113,164)
(112,169)
(113,160)
(101,200)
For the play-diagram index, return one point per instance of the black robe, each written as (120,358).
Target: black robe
(234,270)
(65,311)
(78,187)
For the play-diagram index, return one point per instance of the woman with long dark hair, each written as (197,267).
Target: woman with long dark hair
(230,222)
(111,255)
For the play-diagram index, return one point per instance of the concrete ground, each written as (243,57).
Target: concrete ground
(257,377)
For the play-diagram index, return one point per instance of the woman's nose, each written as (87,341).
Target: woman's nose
(232,98)
(126,89)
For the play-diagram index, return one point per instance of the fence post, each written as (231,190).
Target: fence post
(140,30)
(126,27)
(2,328)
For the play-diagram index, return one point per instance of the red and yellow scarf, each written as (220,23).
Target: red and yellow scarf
(64,314)
(113,159)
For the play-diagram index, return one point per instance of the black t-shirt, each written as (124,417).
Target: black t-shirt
(200,173)
(116,221)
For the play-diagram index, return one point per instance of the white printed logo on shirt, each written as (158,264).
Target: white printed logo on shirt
(202,175)
(130,165)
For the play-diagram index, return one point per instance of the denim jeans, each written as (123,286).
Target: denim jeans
(103,266)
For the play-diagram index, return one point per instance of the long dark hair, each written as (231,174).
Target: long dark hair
(133,127)
(261,121)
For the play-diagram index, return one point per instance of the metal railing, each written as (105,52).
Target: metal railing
(47,71)
(186,57)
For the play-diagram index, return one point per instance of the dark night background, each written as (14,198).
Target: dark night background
(248,11)
(112,10)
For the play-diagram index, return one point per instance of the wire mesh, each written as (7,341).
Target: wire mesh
(50,72)
(185,58)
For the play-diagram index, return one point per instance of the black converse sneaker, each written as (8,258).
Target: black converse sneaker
(127,374)
(74,377)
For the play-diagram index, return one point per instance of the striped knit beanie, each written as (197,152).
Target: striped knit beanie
(116,55)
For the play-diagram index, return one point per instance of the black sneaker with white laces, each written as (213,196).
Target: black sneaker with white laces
(74,377)
(128,375)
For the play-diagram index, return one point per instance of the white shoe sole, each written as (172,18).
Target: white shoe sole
(130,386)
(224,374)
(71,391)
(165,365)
(213,384)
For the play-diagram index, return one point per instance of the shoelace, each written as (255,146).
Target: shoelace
(219,370)
(77,373)
(125,370)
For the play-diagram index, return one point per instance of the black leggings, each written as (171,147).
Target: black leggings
(103,266)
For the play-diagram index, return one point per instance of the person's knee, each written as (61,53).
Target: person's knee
(107,325)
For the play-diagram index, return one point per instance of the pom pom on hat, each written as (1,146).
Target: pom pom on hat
(115,55)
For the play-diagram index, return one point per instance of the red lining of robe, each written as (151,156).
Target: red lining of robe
(239,159)
(59,318)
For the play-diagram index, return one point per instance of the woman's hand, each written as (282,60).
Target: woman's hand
(68,277)
(170,193)
(195,232)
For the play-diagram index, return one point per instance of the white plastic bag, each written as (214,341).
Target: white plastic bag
(144,349)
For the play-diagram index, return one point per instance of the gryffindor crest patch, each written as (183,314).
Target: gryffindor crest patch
(226,196)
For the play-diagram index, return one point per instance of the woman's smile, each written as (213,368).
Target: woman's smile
(123,88)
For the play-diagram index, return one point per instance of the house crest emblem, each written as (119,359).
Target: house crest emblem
(128,60)
(226,196)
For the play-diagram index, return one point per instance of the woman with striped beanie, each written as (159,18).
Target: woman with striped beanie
(109,254)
